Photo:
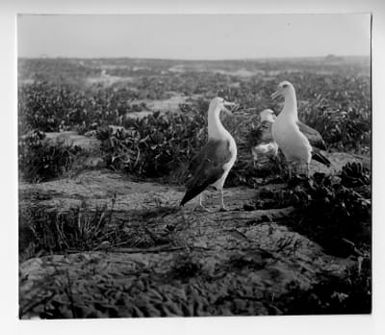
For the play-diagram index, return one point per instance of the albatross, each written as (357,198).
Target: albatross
(298,142)
(213,163)
(262,141)
(260,138)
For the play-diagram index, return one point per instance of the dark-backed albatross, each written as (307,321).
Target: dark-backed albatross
(294,137)
(213,163)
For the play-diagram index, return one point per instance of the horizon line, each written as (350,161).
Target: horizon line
(194,60)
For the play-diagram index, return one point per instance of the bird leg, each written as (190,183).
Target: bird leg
(290,168)
(201,204)
(223,207)
(298,169)
(307,170)
(254,155)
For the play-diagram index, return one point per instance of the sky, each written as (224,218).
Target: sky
(193,36)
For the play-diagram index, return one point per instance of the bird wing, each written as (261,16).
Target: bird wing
(207,167)
(261,134)
(319,157)
(312,135)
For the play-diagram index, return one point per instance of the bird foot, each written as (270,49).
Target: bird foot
(203,208)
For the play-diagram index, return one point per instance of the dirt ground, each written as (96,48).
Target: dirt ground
(172,261)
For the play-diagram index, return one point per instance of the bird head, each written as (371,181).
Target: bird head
(268,115)
(221,104)
(285,88)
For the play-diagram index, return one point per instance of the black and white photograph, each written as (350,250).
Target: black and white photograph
(190,165)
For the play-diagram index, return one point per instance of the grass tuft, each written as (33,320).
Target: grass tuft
(47,231)
(41,160)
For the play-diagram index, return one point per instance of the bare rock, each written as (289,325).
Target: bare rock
(73,138)
(193,263)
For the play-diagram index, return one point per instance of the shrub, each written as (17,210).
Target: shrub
(337,216)
(329,209)
(350,294)
(336,103)
(154,146)
(339,108)
(40,160)
(51,107)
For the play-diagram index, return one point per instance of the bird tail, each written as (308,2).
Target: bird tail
(319,157)
(185,199)
(192,193)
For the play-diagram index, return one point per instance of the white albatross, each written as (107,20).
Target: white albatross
(262,142)
(292,136)
(213,163)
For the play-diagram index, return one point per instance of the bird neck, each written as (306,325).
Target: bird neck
(290,107)
(215,127)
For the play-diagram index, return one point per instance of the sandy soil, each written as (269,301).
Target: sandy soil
(173,261)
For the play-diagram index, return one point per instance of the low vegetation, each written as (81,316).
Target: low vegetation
(332,210)
(337,104)
(42,160)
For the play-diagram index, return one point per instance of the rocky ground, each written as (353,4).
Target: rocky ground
(146,256)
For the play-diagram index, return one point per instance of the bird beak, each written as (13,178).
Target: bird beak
(232,106)
(276,94)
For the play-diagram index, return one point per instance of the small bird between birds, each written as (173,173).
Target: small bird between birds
(261,139)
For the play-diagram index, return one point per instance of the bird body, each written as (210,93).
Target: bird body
(262,141)
(232,149)
(314,137)
(319,157)
(261,138)
(211,166)
(286,129)
(262,133)
(294,144)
